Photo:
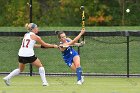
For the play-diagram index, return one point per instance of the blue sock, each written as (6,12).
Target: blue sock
(79,73)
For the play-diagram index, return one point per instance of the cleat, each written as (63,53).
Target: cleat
(45,84)
(82,79)
(79,82)
(7,81)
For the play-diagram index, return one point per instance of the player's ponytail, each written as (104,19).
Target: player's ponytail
(27,26)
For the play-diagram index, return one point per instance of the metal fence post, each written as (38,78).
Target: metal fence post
(83,39)
(127,35)
(30,15)
(78,48)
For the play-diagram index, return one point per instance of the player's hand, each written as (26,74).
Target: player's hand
(63,46)
(82,43)
(56,46)
(83,31)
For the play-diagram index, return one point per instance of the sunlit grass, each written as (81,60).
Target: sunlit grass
(26,84)
(91,28)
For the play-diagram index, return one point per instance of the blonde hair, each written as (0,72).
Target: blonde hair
(30,26)
(27,26)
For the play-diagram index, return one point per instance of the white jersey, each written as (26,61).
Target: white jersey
(26,49)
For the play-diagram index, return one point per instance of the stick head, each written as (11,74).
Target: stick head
(82,7)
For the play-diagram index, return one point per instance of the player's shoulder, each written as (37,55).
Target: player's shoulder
(33,34)
(35,37)
(68,38)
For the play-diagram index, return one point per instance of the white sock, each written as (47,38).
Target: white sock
(42,74)
(12,74)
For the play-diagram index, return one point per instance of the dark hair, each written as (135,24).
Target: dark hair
(59,33)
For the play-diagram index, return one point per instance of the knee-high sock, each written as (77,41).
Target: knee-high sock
(42,74)
(79,73)
(12,74)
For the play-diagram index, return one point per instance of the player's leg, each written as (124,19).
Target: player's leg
(38,64)
(76,61)
(73,67)
(14,73)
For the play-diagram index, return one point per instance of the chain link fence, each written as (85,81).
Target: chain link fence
(104,54)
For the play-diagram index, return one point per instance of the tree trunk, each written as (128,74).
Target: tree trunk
(122,7)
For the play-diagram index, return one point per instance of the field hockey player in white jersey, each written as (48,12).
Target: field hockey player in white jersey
(26,54)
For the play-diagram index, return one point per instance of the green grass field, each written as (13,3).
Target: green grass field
(26,84)
(91,28)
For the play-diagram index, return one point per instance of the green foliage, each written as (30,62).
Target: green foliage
(16,13)
(68,13)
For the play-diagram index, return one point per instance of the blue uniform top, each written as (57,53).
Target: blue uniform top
(68,54)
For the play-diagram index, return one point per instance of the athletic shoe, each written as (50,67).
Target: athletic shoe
(7,81)
(45,84)
(82,79)
(79,82)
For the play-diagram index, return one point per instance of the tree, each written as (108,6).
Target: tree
(68,13)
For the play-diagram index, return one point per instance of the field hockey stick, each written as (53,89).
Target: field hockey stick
(83,17)
(83,20)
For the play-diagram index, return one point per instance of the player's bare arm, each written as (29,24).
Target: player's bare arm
(37,46)
(39,40)
(72,42)
(77,44)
